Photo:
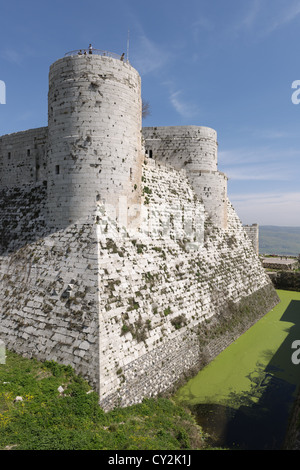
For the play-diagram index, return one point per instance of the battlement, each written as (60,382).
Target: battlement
(92,51)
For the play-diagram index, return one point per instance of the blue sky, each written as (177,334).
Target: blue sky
(228,65)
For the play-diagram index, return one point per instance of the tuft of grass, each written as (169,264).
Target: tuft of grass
(49,419)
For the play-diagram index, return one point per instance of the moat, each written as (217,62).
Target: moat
(243,399)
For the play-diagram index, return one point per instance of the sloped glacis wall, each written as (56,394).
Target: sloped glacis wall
(135,313)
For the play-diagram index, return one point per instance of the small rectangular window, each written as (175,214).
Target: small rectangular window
(9,155)
(150,153)
(28,152)
(57,169)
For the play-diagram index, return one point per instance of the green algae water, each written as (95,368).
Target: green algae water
(243,398)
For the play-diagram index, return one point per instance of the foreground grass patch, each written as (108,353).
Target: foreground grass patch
(58,410)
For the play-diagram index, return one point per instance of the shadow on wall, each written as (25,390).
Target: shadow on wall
(23,216)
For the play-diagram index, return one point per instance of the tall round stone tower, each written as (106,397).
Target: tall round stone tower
(195,149)
(94,143)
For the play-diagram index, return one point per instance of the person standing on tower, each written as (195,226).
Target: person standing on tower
(90,49)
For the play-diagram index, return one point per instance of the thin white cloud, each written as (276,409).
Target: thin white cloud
(269,134)
(11,55)
(260,173)
(248,19)
(24,116)
(202,24)
(267,154)
(261,18)
(184,108)
(268,208)
(244,21)
(148,56)
(267,163)
(283,17)
(16,55)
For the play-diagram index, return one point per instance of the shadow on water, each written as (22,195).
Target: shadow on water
(258,419)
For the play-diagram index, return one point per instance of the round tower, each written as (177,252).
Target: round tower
(195,149)
(94,143)
(189,147)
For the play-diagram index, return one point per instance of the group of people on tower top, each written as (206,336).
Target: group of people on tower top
(91,51)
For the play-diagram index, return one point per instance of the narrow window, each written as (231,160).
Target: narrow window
(9,155)
(150,153)
(57,169)
(37,170)
(28,152)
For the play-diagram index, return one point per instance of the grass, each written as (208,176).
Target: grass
(46,419)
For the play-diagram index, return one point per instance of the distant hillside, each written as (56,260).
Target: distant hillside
(279,240)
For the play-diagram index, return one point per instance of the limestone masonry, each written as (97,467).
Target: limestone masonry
(121,254)
(253,233)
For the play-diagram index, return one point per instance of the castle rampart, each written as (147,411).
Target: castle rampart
(189,147)
(195,149)
(23,158)
(253,233)
(135,311)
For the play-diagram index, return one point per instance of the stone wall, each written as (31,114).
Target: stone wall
(129,313)
(193,148)
(135,272)
(280,263)
(286,280)
(253,233)
(164,293)
(189,147)
(94,122)
(23,215)
(23,157)
(49,303)
(170,209)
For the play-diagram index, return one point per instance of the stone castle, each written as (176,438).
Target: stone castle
(121,254)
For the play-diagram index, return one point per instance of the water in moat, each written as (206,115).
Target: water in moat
(243,398)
